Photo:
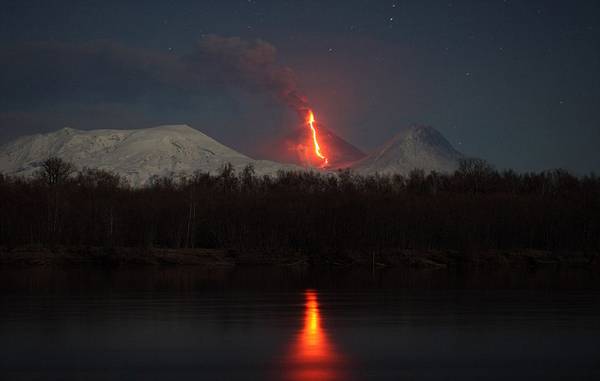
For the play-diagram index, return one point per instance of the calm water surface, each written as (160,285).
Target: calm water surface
(277,324)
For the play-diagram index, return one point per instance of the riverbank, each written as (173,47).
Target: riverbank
(67,256)
(418,259)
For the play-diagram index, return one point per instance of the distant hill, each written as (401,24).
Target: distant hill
(418,147)
(137,155)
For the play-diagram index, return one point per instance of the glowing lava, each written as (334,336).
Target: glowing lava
(310,121)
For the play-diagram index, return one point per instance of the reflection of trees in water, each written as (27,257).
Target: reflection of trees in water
(268,278)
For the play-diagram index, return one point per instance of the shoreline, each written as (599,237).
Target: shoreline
(31,256)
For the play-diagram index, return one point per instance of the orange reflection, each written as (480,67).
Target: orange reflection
(313,356)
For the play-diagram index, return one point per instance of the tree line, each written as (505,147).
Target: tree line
(311,214)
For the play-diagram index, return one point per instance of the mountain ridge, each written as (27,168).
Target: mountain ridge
(137,155)
(179,150)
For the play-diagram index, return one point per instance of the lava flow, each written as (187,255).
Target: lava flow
(310,121)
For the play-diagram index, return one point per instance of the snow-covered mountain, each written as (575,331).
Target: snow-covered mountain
(179,150)
(418,147)
(137,155)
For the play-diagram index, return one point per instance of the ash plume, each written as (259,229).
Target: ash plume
(108,72)
(249,64)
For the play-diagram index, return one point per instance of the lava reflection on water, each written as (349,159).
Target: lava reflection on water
(312,356)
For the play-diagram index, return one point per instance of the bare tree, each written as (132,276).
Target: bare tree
(56,171)
(476,172)
(320,217)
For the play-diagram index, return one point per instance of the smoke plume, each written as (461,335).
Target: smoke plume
(99,68)
(250,64)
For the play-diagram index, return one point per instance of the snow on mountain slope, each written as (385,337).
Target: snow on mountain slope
(418,147)
(137,155)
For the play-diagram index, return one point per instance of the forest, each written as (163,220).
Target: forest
(315,215)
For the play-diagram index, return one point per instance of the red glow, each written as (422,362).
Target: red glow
(310,121)
(313,357)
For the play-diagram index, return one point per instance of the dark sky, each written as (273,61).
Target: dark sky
(516,82)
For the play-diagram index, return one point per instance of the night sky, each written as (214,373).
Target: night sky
(514,82)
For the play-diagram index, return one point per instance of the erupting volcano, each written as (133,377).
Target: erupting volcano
(310,121)
(313,145)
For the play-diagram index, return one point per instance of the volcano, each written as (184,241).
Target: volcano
(296,148)
(417,147)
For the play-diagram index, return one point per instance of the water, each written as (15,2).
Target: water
(276,324)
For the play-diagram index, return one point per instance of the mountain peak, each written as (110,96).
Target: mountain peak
(292,148)
(174,127)
(67,130)
(415,147)
(421,133)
